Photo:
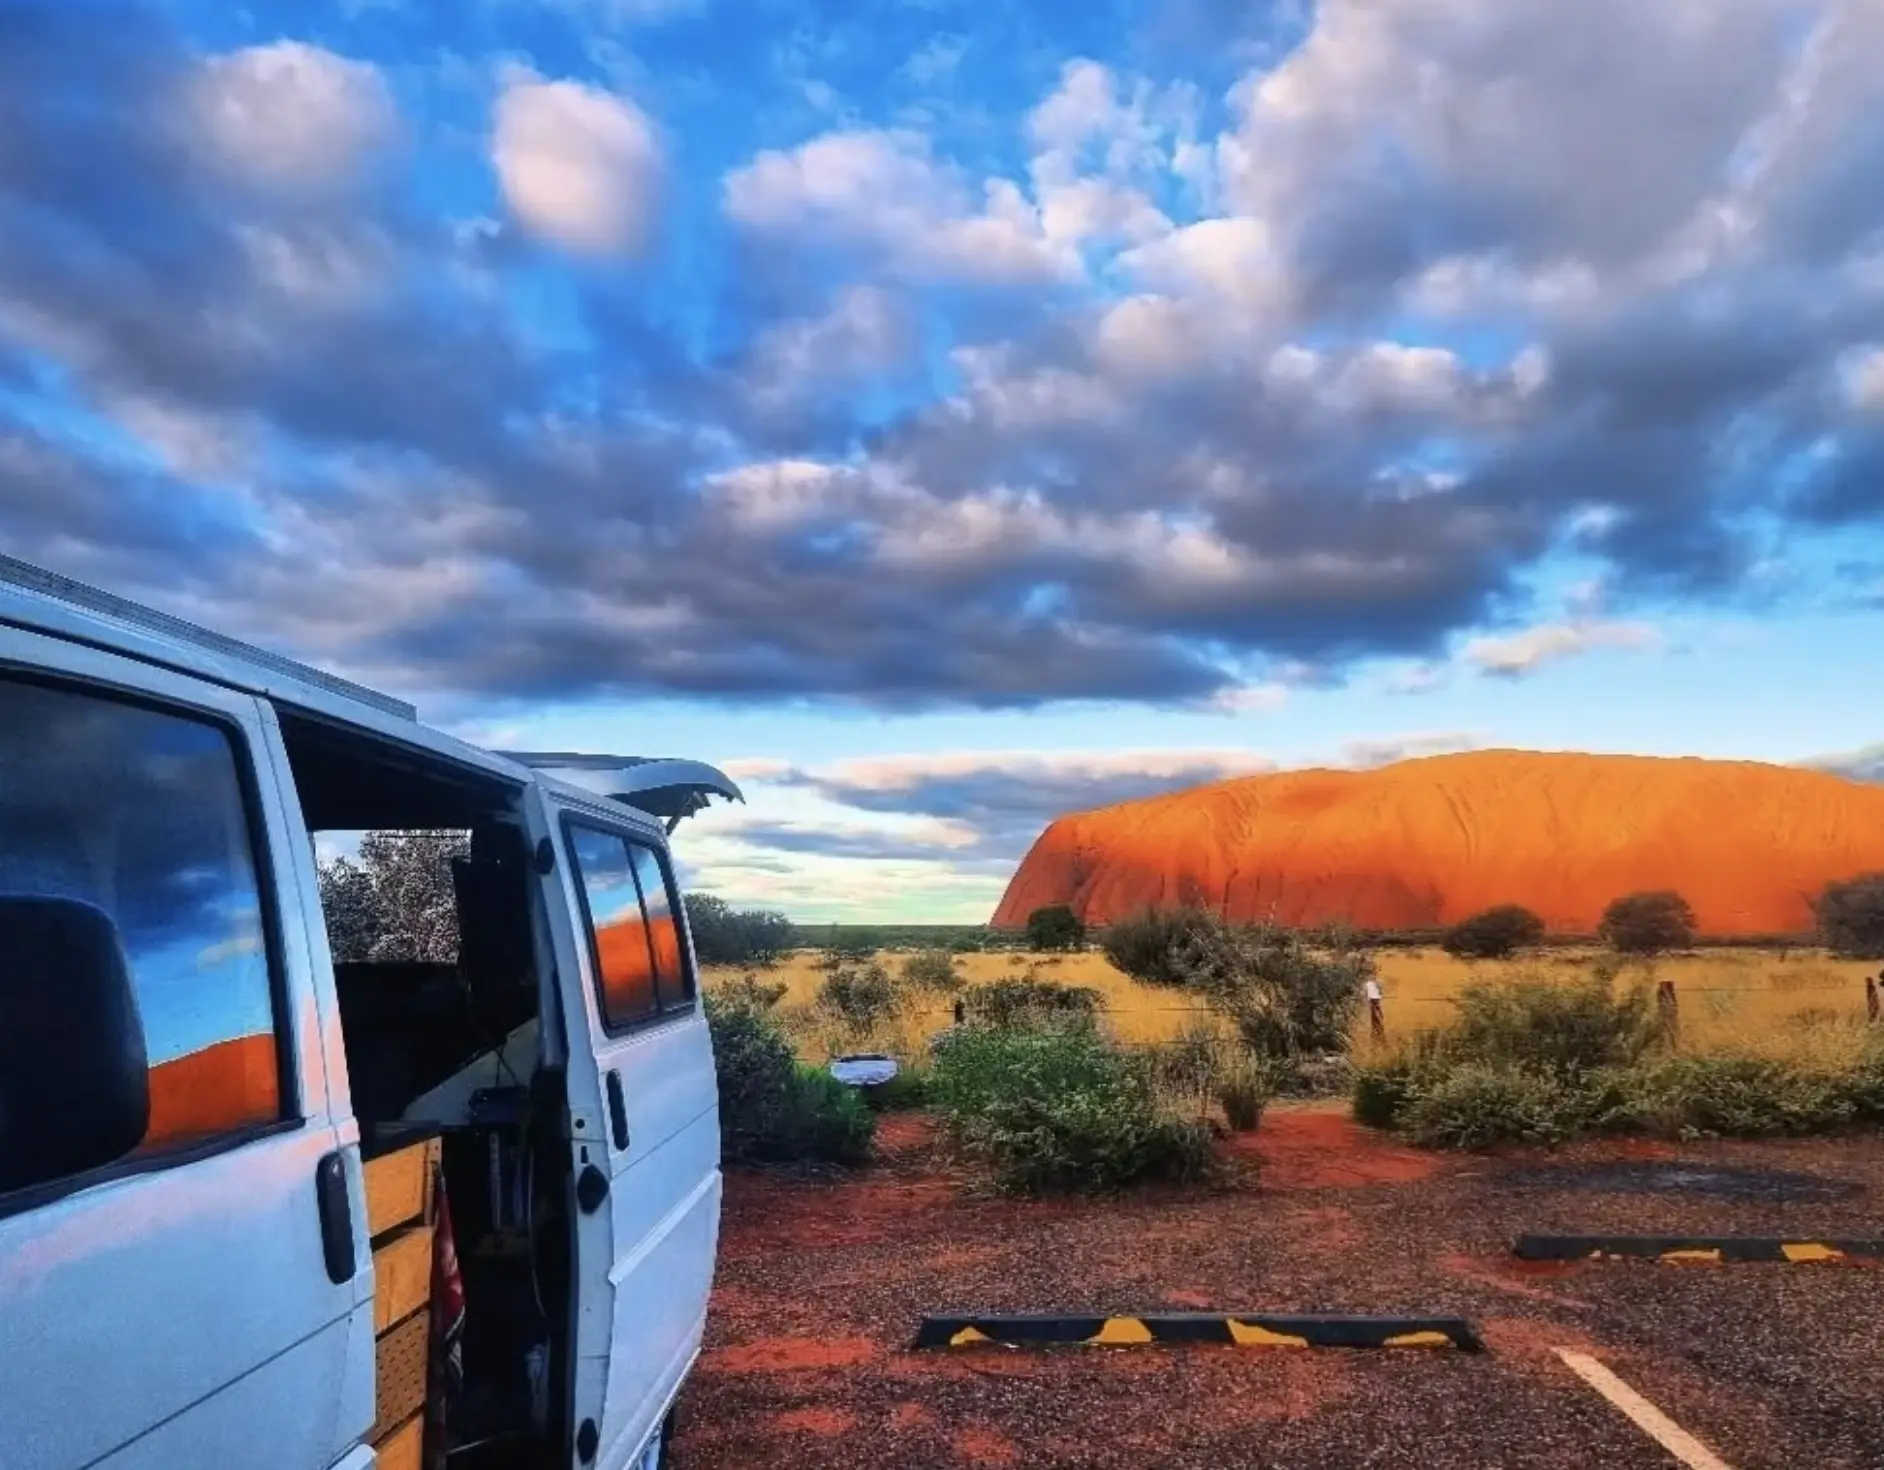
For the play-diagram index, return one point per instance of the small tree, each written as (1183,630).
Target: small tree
(1287,1000)
(396,901)
(1496,934)
(1851,917)
(1146,945)
(723,935)
(1055,927)
(1648,923)
(860,996)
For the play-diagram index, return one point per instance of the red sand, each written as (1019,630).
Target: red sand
(1427,842)
(792,1354)
(1321,1148)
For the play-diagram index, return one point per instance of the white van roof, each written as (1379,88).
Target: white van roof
(43,601)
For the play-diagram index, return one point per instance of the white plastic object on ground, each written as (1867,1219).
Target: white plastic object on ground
(863,1070)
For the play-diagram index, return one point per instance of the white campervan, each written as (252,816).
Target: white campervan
(229,1165)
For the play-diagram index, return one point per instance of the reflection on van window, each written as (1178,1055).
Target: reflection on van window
(637,942)
(141,813)
(663,937)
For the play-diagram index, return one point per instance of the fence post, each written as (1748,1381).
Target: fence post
(1377,1020)
(1666,1009)
(1871,1007)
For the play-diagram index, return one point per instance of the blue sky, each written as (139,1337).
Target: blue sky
(948,415)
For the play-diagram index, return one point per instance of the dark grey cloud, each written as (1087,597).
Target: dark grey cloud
(296,405)
(1863,764)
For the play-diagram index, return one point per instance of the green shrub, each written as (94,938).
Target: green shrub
(1477,1104)
(1851,917)
(910,1090)
(1647,923)
(1382,1090)
(1055,927)
(772,1109)
(1740,1097)
(1062,1110)
(1024,1003)
(1495,934)
(861,996)
(1143,946)
(1562,1027)
(1286,1000)
(933,970)
(1864,1082)
(752,992)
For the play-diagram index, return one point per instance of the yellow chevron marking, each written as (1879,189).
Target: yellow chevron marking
(1712,1256)
(1252,1334)
(968,1336)
(1419,1339)
(1807,1250)
(1121,1330)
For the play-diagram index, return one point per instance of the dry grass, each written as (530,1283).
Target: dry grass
(1797,1002)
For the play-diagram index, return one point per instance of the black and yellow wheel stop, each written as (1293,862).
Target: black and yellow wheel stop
(1693,1249)
(1227,1329)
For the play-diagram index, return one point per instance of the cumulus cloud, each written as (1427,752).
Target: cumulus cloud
(578,166)
(288,116)
(883,192)
(1084,403)
(1514,655)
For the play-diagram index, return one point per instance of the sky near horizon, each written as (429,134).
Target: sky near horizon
(944,415)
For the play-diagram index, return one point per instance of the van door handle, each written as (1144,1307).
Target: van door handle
(617,1111)
(336,1212)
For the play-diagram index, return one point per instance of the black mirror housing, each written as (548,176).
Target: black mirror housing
(74,1070)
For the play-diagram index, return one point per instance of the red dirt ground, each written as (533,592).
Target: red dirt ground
(822,1282)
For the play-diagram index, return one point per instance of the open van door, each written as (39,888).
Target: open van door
(642,1097)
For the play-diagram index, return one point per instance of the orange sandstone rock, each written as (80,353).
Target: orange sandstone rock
(1426,842)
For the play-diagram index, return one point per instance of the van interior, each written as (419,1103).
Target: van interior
(446,1045)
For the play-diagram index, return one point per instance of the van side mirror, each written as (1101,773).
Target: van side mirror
(74,1074)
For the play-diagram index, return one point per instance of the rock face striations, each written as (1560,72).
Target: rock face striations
(1426,842)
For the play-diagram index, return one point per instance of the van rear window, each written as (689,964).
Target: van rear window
(635,945)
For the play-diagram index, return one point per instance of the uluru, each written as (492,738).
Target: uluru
(1426,842)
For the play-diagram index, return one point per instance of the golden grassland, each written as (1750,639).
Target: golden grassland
(1797,1002)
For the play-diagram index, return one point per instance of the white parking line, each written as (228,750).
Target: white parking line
(1644,1415)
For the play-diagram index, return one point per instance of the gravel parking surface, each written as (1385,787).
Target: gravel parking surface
(821,1284)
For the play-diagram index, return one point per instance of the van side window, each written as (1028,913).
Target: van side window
(143,814)
(640,963)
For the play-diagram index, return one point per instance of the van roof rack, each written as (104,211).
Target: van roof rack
(50,584)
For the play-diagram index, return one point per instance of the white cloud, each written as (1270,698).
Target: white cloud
(1233,259)
(867,331)
(1863,377)
(883,191)
(1517,654)
(1365,754)
(578,166)
(290,117)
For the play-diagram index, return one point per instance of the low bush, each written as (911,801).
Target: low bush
(1144,946)
(932,970)
(1286,999)
(1020,1002)
(1496,934)
(752,992)
(860,996)
(772,1109)
(1647,923)
(1566,1028)
(1739,1097)
(1382,1089)
(1479,1104)
(1062,1111)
